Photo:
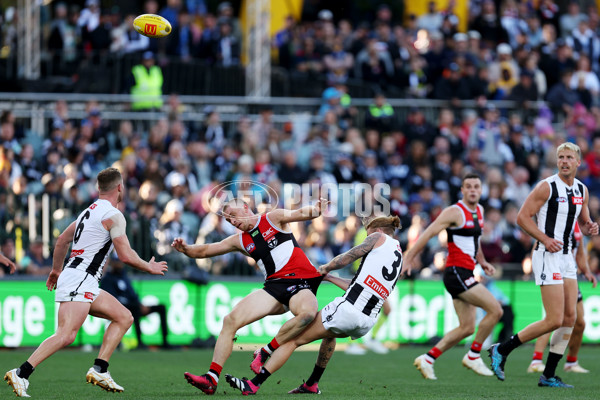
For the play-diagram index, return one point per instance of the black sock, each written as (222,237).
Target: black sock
(315,376)
(261,377)
(25,370)
(100,365)
(551,363)
(508,346)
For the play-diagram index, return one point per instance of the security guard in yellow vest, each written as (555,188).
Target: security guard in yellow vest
(146,92)
(380,115)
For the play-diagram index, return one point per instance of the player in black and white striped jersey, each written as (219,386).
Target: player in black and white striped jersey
(98,229)
(558,202)
(353,314)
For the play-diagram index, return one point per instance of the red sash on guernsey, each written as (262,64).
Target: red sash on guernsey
(463,242)
(277,253)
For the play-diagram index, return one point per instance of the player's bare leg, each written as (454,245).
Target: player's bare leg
(304,306)
(575,343)
(466,326)
(314,331)
(71,316)
(251,308)
(480,296)
(553,299)
(537,363)
(560,338)
(107,307)
(312,384)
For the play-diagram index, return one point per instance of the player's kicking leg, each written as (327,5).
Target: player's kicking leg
(251,308)
(304,306)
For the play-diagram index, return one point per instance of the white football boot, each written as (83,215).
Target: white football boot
(425,367)
(104,380)
(18,384)
(476,365)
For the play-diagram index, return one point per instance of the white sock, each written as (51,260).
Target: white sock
(472,355)
(429,359)
(215,377)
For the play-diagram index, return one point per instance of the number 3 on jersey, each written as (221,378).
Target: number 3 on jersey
(396,268)
(80,226)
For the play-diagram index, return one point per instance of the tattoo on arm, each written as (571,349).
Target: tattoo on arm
(325,352)
(355,253)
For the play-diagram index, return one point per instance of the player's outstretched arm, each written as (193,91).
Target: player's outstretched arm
(131,258)
(60,252)
(530,207)
(449,217)
(116,227)
(232,243)
(284,216)
(353,254)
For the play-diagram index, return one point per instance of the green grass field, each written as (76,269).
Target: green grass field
(159,375)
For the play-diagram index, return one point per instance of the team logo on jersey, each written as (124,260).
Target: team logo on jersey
(250,248)
(89,295)
(93,206)
(577,192)
(377,286)
(272,243)
(561,199)
(470,224)
(543,276)
(577,200)
(557,276)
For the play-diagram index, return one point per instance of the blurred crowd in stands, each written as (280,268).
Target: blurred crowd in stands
(512,51)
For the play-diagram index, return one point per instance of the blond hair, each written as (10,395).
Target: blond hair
(235,202)
(569,146)
(388,224)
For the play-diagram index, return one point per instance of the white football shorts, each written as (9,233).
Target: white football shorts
(76,285)
(342,318)
(551,268)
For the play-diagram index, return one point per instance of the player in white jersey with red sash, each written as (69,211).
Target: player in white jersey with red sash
(352,314)
(557,202)
(571,365)
(291,281)
(463,222)
(96,231)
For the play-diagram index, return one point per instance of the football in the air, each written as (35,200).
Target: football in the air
(152,25)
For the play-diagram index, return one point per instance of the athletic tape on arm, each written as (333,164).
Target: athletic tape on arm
(118,226)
